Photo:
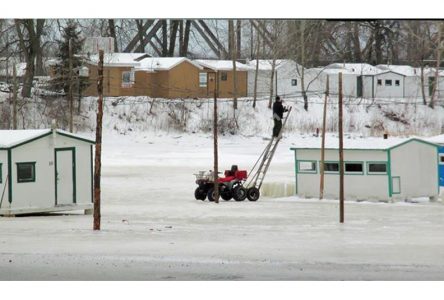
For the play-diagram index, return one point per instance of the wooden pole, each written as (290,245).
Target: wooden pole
(216,166)
(324,121)
(71,100)
(98,156)
(14,97)
(341,155)
(256,74)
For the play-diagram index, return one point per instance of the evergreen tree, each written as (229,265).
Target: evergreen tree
(61,80)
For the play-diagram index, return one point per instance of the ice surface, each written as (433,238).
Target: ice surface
(153,229)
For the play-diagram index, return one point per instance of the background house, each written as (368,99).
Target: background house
(44,171)
(118,72)
(225,70)
(392,169)
(169,77)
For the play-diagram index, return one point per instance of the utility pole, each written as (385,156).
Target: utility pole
(71,100)
(98,156)
(216,167)
(14,97)
(341,155)
(233,58)
(257,69)
(324,121)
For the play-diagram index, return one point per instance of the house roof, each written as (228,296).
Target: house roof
(118,59)
(163,63)
(359,69)
(222,65)
(401,69)
(439,139)
(266,64)
(13,138)
(372,143)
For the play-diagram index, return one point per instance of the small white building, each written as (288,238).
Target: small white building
(45,171)
(375,169)
(412,85)
(383,84)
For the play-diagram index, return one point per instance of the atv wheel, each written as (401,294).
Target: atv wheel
(226,194)
(239,193)
(253,194)
(211,195)
(200,194)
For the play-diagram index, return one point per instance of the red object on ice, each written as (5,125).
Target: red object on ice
(227,179)
(241,174)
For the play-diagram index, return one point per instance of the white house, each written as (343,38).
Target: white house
(44,171)
(412,87)
(352,78)
(375,169)
(383,84)
(286,81)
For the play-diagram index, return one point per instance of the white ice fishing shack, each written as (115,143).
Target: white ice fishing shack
(375,169)
(44,171)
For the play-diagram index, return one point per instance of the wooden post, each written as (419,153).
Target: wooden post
(233,58)
(341,155)
(256,74)
(14,97)
(98,156)
(216,167)
(71,100)
(324,121)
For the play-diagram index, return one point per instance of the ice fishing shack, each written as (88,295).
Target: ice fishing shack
(374,168)
(439,139)
(45,170)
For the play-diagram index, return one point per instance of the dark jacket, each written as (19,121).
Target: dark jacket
(278,110)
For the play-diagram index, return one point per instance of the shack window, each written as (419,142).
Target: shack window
(294,82)
(379,81)
(307,166)
(202,79)
(127,79)
(26,172)
(377,168)
(331,167)
(223,76)
(441,159)
(354,168)
(388,82)
(397,82)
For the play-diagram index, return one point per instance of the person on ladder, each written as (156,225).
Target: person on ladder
(278,114)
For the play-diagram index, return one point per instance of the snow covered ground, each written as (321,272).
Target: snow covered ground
(153,229)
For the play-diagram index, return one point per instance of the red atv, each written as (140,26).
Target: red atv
(230,186)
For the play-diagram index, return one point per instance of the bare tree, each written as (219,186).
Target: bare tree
(30,33)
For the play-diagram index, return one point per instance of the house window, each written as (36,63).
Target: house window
(397,82)
(223,76)
(377,168)
(306,166)
(202,79)
(388,82)
(354,168)
(26,172)
(332,167)
(294,82)
(379,81)
(127,79)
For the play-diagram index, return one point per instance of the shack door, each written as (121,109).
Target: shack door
(359,86)
(65,170)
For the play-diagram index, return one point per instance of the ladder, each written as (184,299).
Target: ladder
(257,175)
